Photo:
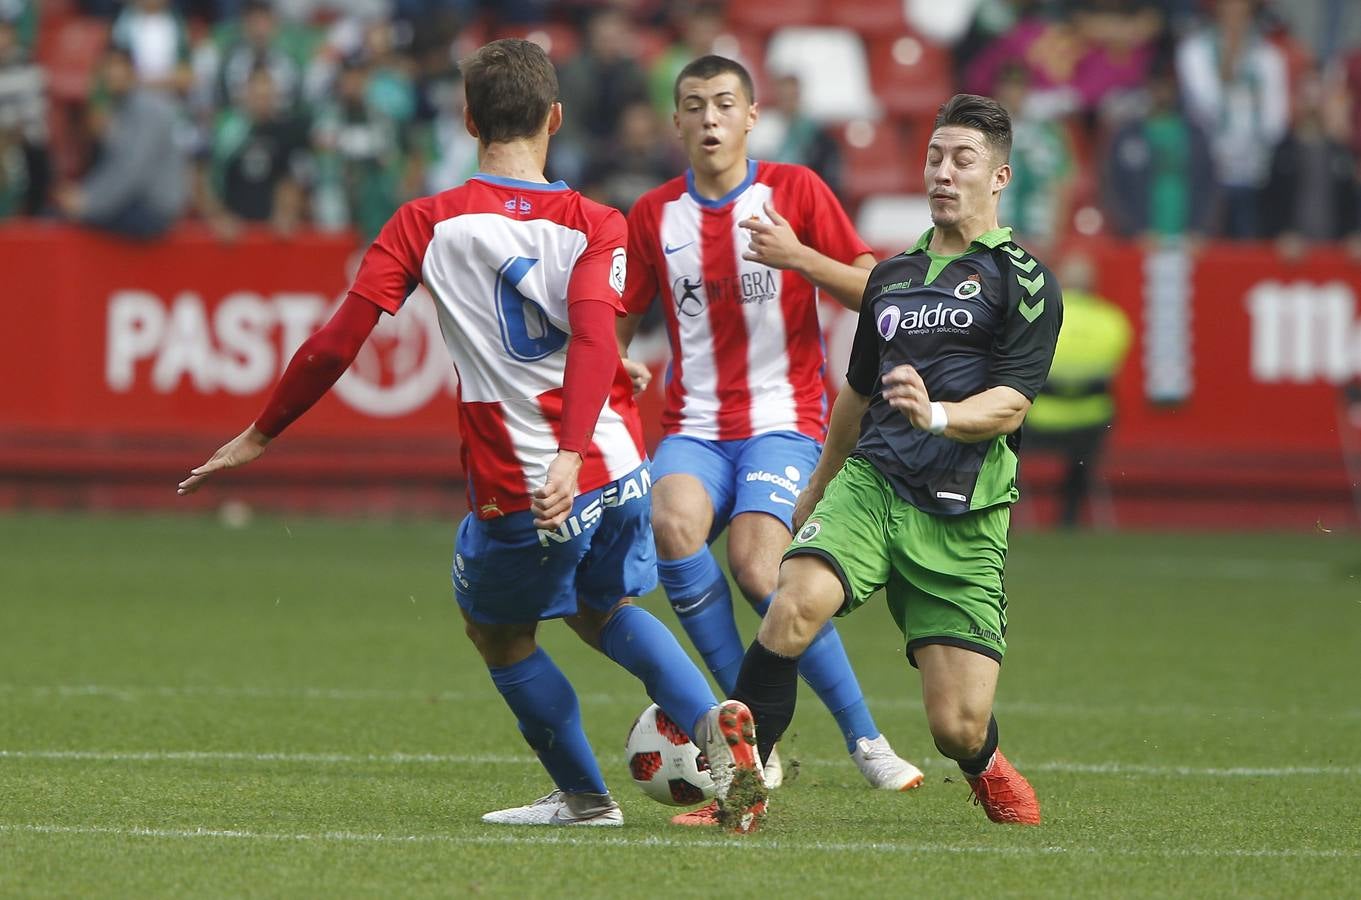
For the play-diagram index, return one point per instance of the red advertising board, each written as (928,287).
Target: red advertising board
(119,357)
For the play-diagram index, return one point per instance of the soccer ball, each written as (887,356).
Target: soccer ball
(664,763)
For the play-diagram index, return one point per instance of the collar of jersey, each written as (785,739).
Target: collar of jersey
(503,181)
(990,239)
(727,198)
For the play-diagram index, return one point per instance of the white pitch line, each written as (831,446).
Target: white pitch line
(549,837)
(401,759)
(130,693)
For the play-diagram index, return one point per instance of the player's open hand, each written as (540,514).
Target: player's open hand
(552,503)
(245,447)
(638,373)
(773,243)
(809,498)
(906,392)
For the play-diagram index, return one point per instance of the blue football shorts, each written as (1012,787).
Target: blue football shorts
(506,571)
(765,473)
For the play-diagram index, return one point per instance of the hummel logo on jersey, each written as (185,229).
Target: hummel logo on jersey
(895,286)
(668,249)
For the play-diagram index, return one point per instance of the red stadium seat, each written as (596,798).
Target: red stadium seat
(832,71)
(869,17)
(875,160)
(764,17)
(909,74)
(559,41)
(71,52)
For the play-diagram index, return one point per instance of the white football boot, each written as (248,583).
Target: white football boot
(559,808)
(774,770)
(884,769)
(739,784)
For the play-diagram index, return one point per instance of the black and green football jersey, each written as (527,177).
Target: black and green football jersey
(987,317)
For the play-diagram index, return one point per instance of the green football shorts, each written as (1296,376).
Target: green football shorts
(942,574)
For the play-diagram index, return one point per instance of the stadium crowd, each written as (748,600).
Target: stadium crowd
(1155,119)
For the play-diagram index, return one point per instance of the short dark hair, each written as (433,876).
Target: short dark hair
(981,114)
(510,85)
(712,66)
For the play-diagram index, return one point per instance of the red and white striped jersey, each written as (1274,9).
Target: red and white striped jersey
(746,348)
(503,259)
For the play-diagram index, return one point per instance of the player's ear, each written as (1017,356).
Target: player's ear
(555,117)
(1001,177)
(469,124)
(753,114)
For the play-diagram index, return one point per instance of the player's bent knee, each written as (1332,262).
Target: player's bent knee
(793,621)
(756,581)
(958,735)
(501,645)
(681,516)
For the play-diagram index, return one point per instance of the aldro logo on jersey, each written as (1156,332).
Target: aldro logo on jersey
(923,318)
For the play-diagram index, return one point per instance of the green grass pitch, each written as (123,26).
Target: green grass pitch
(290,709)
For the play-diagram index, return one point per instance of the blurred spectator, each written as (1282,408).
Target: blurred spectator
(595,88)
(1073,413)
(785,134)
(22,17)
(259,163)
(138,186)
(1312,192)
(157,41)
(448,150)
(1036,203)
(1350,75)
(390,86)
(360,159)
(637,162)
(698,26)
(1158,175)
(24,169)
(1073,62)
(223,64)
(1234,83)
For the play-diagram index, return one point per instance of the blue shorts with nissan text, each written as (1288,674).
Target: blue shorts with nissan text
(506,571)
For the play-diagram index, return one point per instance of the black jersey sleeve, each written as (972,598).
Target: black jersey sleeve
(862,371)
(1024,347)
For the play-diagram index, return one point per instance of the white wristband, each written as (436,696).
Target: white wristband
(938,419)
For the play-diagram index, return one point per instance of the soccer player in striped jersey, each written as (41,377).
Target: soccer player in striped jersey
(737,249)
(527,279)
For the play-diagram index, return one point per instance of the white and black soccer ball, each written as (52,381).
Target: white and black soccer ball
(664,762)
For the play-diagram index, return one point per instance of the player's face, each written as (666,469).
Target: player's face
(713,120)
(963,178)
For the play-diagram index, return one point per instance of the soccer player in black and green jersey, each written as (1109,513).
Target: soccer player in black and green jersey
(914,487)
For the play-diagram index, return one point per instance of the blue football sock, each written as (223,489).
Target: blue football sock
(826,668)
(550,719)
(699,593)
(639,642)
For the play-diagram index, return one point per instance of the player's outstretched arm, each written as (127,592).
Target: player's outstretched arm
(316,365)
(843,432)
(985,415)
(775,244)
(245,447)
